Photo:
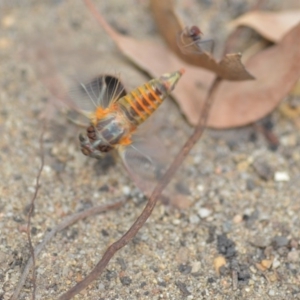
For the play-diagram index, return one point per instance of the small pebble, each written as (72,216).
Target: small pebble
(182,255)
(200,187)
(126,280)
(31,189)
(264,171)
(194,219)
(184,269)
(219,262)
(293,244)
(290,140)
(182,287)
(271,293)
(267,263)
(227,226)
(126,190)
(281,176)
(47,169)
(196,267)
(197,160)
(280,241)
(237,219)
(3,257)
(101,286)
(260,242)
(204,212)
(251,282)
(276,263)
(293,256)
(176,221)
(273,277)
(250,184)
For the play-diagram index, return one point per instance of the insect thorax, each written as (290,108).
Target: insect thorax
(108,132)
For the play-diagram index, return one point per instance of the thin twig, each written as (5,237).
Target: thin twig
(68,221)
(31,209)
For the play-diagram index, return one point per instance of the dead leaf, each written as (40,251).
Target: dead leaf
(271,25)
(277,69)
(170,27)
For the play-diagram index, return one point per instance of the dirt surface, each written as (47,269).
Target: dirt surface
(245,197)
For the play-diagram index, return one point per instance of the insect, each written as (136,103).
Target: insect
(114,121)
(190,41)
(112,124)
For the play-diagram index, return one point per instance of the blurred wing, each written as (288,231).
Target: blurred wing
(100,91)
(61,72)
(146,161)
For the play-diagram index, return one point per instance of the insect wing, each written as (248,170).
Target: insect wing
(145,163)
(100,91)
(61,71)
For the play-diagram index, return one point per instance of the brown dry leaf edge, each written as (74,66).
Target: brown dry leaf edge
(237,103)
(271,25)
(277,69)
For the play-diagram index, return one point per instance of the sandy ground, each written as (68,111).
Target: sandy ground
(238,210)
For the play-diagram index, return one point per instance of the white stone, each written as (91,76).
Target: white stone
(204,212)
(126,190)
(271,293)
(275,264)
(281,176)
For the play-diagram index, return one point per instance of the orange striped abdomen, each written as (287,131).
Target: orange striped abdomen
(139,104)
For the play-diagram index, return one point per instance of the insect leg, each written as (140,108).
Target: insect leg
(89,149)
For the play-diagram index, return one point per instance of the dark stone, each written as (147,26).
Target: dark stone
(211,280)
(280,241)
(104,232)
(263,170)
(182,287)
(225,246)
(110,275)
(185,269)
(125,280)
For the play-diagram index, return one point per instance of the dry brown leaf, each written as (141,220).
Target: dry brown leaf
(277,69)
(170,26)
(271,25)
